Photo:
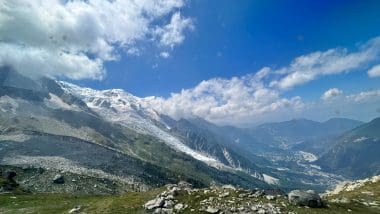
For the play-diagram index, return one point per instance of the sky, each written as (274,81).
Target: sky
(230,62)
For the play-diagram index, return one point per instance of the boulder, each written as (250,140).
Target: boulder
(179,206)
(305,198)
(58,179)
(228,186)
(155,203)
(76,209)
(211,210)
(184,185)
(168,204)
(163,211)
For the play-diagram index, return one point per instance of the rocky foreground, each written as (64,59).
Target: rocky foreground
(182,198)
(362,196)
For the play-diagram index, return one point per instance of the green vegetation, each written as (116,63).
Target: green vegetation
(62,203)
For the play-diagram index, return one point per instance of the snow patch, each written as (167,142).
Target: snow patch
(307,156)
(360,139)
(271,180)
(282,169)
(315,166)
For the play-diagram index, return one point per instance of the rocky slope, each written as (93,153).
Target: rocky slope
(355,154)
(42,125)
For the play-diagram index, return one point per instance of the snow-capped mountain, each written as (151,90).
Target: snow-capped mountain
(141,143)
(64,128)
(135,113)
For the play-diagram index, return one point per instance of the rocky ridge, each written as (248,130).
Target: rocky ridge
(183,198)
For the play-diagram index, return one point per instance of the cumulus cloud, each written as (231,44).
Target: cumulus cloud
(308,67)
(261,97)
(374,71)
(331,93)
(228,101)
(246,100)
(74,38)
(364,96)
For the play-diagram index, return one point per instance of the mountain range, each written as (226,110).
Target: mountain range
(119,141)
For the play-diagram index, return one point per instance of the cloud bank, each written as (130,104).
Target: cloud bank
(261,97)
(309,67)
(74,38)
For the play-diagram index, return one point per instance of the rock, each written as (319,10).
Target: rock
(270,197)
(155,203)
(211,210)
(224,194)
(228,187)
(58,179)
(168,204)
(261,211)
(184,185)
(179,206)
(163,211)
(76,209)
(169,197)
(305,198)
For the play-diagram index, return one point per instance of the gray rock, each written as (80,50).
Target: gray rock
(305,198)
(261,211)
(168,204)
(76,209)
(228,187)
(224,194)
(184,185)
(211,210)
(179,206)
(58,179)
(163,211)
(155,203)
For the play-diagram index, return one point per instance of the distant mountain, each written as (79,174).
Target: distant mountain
(286,167)
(303,134)
(356,153)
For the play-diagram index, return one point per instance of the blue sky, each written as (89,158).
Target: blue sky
(236,38)
(230,62)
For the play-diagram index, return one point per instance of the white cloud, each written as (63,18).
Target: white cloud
(246,101)
(363,96)
(260,97)
(165,54)
(374,71)
(308,67)
(172,34)
(228,101)
(331,93)
(75,38)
